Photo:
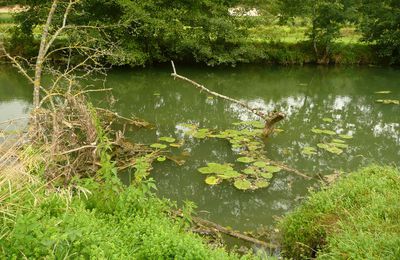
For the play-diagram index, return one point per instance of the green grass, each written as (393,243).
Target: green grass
(295,34)
(356,218)
(92,220)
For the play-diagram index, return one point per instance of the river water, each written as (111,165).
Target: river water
(311,97)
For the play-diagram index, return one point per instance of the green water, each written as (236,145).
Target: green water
(305,94)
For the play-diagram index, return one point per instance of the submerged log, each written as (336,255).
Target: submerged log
(236,234)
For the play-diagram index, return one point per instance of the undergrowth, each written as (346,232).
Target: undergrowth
(356,218)
(91,219)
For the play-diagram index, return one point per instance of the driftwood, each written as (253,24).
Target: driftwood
(270,119)
(236,234)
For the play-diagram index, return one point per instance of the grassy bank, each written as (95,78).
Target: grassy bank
(356,218)
(91,219)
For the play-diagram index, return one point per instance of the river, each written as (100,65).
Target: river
(341,99)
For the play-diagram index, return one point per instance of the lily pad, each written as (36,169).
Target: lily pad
(383,92)
(338,141)
(205,170)
(346,136)
(242,184)
(261,183)
(167,139)
(212,180)
(273,169)
(339,145)
(330,148)
(229,175)
(328,120)
(175,145)
(245,159)
(249,171)
(389,101)
(309,150)
(323,131)
(202,133)
(158,146)
(267,175)
(161,158)
(260,164)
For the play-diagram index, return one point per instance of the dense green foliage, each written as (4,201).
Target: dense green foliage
(145,32)
(356,218)
(109,222)
(380,24)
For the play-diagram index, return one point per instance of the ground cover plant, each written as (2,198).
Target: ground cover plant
(356,218)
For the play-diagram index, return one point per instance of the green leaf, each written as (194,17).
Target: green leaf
(323,131)
(158,146)
(245,159)
(161,158)
(175,145)
(338,141)
(328,120)
(346,136)
(242,184)
(339,145)
(383,92)
(212,180)
(260,164)
(330,148)
(205,170)
(309,150)
(229,175)
(267,175)
(261,183)
(167,139)
(273,169)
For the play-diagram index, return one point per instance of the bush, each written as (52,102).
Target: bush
(113,222)
(356,218)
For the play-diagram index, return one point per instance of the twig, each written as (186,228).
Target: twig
(290,169)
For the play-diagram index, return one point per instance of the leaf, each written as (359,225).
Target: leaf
(205,170)
(328,120)
(339,145)
(267,175)
(158,146)
(346,136)
(212,180)
(229,175)
(309,150)
(273,169)
(383,92)
(261,183)
(161,158)
(389,101)
(167,139)
(323,131)
(260,164)
(338,141)
(242,184)
(175,145)
(249,171)
(156,94)
(245,159)
(330,148)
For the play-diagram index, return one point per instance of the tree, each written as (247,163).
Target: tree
(155,31)
(380,24)
(326,19)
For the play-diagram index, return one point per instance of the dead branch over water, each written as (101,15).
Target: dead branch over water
(270,119)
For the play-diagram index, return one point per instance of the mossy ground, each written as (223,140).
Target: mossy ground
(356,218)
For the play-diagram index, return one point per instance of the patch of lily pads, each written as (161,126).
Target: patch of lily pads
(389,101)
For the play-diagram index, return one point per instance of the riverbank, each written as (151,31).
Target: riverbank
(356,218)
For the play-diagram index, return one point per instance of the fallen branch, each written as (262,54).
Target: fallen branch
(269,119)
(236,234)
(290,169)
